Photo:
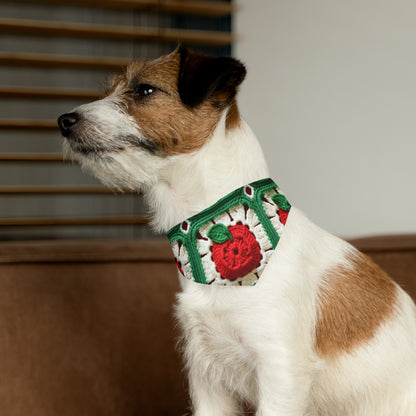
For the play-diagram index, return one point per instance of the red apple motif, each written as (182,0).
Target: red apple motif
(235,250)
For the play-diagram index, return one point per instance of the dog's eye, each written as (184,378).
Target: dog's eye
(143,90)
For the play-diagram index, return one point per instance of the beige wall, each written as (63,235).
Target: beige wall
(331,94)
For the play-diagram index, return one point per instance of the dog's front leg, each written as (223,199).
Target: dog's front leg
(283,385)
(209,399)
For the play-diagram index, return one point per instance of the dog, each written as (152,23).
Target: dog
(320,329)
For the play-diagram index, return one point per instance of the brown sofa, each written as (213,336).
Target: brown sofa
(86,328)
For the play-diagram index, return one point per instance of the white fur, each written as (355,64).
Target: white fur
(257,343)
(190,183)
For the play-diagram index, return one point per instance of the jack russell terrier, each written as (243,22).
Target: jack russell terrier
(275,312)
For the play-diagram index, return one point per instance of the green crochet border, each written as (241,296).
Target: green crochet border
(237,197)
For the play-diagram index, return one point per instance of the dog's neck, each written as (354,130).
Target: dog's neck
(191,183)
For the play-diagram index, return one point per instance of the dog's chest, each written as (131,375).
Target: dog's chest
(215,343)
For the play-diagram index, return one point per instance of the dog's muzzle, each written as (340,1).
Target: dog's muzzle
(67,123)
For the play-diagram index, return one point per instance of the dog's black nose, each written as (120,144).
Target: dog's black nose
(66,122)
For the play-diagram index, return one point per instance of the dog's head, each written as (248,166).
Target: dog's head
(156,110)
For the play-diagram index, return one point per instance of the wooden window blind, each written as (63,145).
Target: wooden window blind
(56,55)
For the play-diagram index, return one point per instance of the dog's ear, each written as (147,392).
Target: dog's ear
(202,77)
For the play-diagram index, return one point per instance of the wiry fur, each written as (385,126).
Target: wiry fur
(257,344)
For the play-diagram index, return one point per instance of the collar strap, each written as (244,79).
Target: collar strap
(231,242)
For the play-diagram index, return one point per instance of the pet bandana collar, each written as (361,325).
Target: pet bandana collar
(231,242)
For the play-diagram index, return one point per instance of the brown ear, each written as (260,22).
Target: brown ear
(202,77)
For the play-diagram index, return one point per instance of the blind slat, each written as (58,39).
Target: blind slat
(71,221)
(77,30)
(19,124)
(201,8)
(32,157)
(48,93)
(56,61)
(56,190)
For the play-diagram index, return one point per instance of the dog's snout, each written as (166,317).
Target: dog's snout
(66,122)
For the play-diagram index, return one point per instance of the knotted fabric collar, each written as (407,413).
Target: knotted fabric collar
(231,242)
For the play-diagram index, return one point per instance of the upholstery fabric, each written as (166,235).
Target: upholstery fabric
(87,328)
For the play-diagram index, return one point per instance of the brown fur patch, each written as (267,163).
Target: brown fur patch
(353,302)
(173,127)
(233,116)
